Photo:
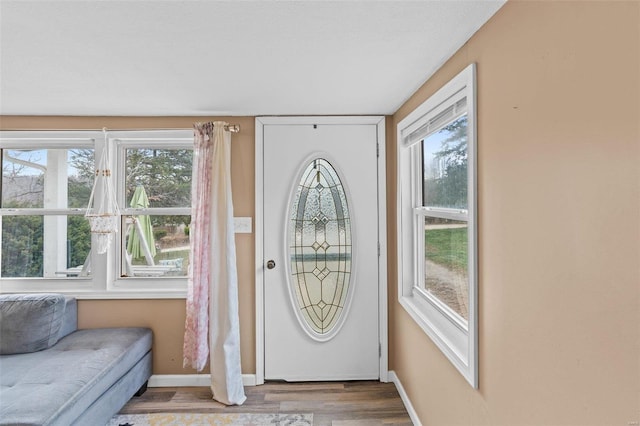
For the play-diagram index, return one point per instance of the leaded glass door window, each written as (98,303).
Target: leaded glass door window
(320,249)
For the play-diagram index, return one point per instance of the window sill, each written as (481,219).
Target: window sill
(83,289)
(115,295)
(443,331)
(132,294)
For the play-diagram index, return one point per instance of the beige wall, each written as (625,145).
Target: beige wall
(166,317)
(559,224)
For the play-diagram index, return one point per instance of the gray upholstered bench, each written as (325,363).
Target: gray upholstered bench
(53,374)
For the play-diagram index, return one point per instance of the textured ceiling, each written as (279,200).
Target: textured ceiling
(225,57)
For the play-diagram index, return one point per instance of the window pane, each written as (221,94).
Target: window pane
(165,175)
(46,178)
(44,246)
(444,159)
(156,246)
(446,263)
(81,175)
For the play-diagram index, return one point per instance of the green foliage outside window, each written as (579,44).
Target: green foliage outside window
(447,247)
(449,189)
(22,246)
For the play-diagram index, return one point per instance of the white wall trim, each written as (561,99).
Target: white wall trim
(405,398)
(382,258)
(259,247)
(187,380)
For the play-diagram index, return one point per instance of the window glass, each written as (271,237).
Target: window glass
(81,174)
(156,246)
(446,263)
(22,246)
(165,175)
(444,161)
(47,178)
(51,246)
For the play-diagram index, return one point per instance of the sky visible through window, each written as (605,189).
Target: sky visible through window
(38,157)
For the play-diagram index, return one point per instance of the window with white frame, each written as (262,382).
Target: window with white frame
(155,200)
(47,178)
(43,195)
(437,234)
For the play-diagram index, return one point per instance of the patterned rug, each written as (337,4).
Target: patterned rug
(215,419)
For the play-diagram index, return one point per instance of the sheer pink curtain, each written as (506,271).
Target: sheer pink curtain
(212,329)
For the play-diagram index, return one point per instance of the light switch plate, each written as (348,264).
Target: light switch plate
(242,225)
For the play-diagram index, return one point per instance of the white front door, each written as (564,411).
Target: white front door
(320,250)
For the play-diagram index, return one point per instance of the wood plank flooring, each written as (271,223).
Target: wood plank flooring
(362,403)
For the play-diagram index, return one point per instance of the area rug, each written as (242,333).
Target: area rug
(215,419)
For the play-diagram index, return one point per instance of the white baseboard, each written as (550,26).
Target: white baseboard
(405,398)
(184,380)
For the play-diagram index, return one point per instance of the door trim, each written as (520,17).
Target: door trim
(379,122)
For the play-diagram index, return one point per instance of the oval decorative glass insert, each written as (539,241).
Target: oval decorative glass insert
(320,249)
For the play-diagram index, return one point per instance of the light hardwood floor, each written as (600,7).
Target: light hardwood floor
(366,403)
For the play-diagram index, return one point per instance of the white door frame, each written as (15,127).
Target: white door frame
(379,122)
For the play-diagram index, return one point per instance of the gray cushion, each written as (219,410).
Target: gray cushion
(30,322)
(70,318)
(55,386)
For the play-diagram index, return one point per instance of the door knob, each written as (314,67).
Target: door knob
(271,264)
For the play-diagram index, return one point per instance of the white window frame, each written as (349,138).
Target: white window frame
(104,282)
(162,139)
(456,338)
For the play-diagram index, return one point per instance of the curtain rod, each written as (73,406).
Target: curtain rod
(233,128)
